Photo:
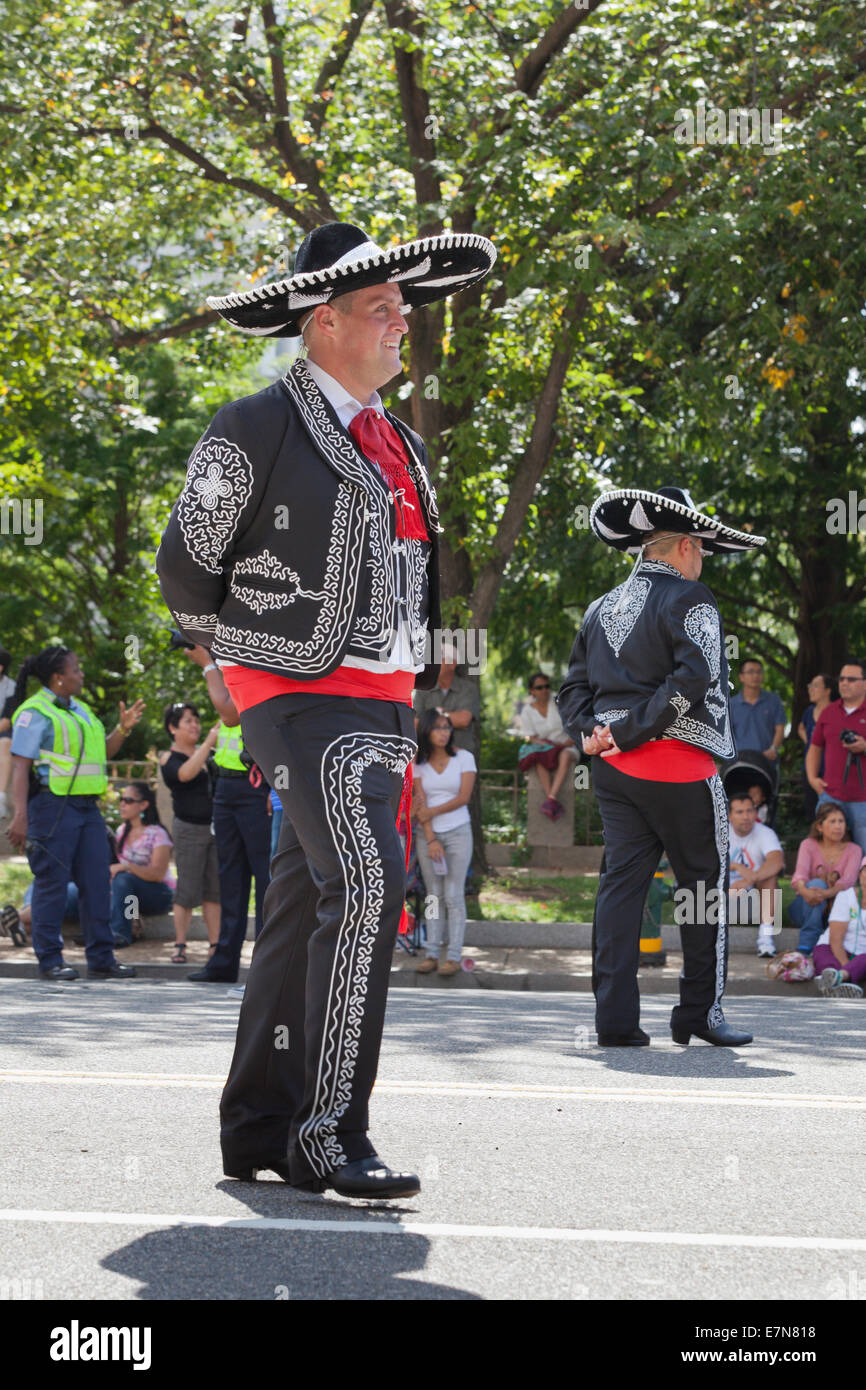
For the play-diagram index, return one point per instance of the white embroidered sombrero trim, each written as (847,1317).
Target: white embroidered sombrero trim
(331,275)
(713,529)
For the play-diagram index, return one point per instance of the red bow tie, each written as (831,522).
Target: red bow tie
(379,441)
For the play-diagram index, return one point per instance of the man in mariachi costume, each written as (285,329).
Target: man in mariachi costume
(303,552)
(647,695)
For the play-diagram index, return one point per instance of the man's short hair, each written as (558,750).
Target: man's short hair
(662,541)
(751,661)
(739,796)
(344,302)
(855,661)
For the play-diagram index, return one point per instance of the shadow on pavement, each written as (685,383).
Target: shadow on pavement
(206,1263)
(693,1063)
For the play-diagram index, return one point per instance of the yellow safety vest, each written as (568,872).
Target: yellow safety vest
(228,748)
(91,776)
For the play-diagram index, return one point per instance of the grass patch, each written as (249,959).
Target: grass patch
(515,896)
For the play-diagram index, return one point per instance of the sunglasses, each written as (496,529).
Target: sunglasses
(851,678)
(545,686)
(131,801)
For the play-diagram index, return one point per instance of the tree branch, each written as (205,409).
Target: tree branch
(780,615)
(529,471)
(795,102)
(125,337)
(211,171)
(317,107)
(536,65)
(415,106)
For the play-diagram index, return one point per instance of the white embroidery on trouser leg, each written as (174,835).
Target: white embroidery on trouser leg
(343,764)
(715,1017)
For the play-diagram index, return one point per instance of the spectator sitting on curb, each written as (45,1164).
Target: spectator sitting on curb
(840,955)
(141,879)
(757,716)
(548,747)
(756,860)
(17,922)
(827,864)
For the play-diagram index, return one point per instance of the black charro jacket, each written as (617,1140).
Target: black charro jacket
(281,551)
(650,661)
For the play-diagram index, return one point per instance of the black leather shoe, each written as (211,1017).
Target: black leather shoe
(723,1036)
(112,972)
(369,1177)
(207,976)
(60,972)
(638,1038)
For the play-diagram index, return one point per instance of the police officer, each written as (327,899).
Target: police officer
(241,828)
(59,751)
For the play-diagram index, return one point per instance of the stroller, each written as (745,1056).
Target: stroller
(748,769)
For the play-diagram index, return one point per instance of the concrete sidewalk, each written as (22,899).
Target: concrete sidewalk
(537,956)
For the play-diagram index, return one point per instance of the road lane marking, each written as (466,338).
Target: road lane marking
(671,1095)
(434,1230)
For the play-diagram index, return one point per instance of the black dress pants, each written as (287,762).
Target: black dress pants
(311,1022)
(242,829)
(689,822)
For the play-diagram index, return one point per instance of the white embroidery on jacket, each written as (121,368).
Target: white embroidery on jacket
(610,716)
(219,480)
(199,620)
(372,628)
(620,609)
(315,655)
(268,566)
(701,624)
(680,702)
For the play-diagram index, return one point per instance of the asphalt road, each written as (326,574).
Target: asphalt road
(550,1168)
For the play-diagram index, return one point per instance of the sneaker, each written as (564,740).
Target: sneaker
(766,945)
(10,924)
(425,966)
(847,990)
(548,808)
(828,980)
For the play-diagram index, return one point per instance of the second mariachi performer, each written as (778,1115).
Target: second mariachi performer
(303,554)
(647,692)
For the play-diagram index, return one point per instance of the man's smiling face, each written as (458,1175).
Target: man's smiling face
(368,332)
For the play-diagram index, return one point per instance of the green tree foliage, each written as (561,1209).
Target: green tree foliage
(667,305)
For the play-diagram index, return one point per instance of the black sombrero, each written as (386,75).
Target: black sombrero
(338,258)
(625,518)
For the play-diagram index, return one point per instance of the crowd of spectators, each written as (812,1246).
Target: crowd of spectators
(828,879)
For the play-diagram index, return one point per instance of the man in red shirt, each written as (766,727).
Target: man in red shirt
(841,732)
(303,554)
